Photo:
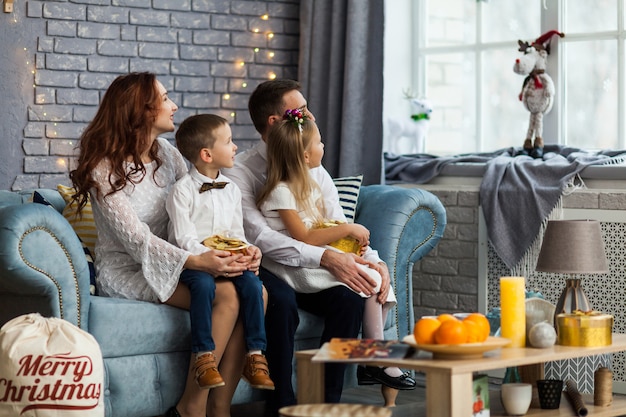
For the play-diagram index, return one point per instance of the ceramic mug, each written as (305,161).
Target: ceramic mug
(516,398)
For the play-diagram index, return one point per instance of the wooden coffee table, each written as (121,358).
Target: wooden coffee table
(449,381)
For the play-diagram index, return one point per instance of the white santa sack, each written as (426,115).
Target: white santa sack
(49,368)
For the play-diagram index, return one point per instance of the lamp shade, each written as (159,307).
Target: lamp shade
(572,247)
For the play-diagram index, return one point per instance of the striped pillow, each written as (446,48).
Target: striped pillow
(348,188)
(84,226)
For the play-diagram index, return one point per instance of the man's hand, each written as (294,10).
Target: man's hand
(385,284)
(344,267)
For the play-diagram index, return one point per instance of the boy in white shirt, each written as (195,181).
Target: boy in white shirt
(203,204)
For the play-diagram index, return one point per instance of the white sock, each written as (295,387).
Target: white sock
(203,353)
(394,372)
(254,352)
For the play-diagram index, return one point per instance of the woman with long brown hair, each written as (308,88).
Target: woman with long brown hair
(126,170)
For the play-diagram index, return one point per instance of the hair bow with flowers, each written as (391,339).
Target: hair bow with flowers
(295,116)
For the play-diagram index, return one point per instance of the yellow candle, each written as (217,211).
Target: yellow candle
(513,310)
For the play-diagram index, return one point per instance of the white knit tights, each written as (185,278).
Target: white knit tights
(374,317)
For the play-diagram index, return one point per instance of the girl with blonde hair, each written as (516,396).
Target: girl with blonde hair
(293,204)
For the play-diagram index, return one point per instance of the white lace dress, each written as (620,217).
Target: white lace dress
(133,258)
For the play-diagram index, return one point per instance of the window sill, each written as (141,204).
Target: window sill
(471,173)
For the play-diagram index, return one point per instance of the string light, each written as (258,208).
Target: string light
(270,54)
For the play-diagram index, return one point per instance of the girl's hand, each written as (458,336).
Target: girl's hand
(360,233)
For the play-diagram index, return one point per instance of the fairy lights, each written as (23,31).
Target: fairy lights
(269,54)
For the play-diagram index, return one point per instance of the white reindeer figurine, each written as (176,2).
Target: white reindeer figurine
(409,136)
(537,90)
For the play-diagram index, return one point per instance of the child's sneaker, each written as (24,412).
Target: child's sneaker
(207,375)
(257,373)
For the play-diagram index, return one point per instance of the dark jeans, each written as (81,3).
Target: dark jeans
(202,288)
(342,311)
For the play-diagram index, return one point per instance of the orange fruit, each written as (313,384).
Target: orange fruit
(482,327)
(425,329)
(451,332)
(473,331)
(446,317)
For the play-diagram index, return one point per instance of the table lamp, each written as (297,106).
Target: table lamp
(572,247)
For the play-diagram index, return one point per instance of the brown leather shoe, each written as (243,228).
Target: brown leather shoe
(207,375)
(256,372)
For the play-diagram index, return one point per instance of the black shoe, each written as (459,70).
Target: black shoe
(402,382)
(537,152)
(172,412)
(363,377)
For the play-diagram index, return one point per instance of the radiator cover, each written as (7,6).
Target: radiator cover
(606,293)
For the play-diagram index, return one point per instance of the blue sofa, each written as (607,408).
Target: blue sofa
(145,346)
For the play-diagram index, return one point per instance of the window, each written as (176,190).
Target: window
(459,54)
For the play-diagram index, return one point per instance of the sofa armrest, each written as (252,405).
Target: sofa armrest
(42,265)
(405,224)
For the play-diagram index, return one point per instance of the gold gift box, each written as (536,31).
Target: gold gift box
(581,329)
(347,244)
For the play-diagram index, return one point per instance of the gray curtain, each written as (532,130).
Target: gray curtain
(341,71)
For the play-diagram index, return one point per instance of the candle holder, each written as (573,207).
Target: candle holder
(572,247)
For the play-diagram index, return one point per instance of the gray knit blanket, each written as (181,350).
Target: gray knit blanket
(517,193)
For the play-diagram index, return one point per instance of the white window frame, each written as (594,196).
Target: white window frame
(555,123)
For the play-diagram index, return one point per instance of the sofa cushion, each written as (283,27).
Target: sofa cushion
(129,327)
(93,290)
(348,188)
(83,224)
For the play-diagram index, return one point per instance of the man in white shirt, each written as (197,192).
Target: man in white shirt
(341,308)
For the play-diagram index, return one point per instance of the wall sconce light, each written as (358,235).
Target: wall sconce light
(8,6)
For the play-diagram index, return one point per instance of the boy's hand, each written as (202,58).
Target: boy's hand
(217,263)
(255,262)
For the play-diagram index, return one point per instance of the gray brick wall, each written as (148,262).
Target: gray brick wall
(209,54)
(446,280)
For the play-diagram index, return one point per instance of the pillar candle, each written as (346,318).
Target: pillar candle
(513,310)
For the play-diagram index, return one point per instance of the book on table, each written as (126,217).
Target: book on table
(346,350)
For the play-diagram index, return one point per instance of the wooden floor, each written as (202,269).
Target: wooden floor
(408,403)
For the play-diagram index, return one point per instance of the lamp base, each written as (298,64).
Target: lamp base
(572,298)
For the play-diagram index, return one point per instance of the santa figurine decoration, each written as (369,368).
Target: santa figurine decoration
(537,93)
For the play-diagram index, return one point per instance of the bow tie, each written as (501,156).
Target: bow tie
(211,185)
